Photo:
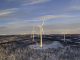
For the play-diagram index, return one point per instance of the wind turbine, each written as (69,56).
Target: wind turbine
(33,34)
(41,33)
(64,36)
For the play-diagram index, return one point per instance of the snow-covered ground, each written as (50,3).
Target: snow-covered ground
(55,45)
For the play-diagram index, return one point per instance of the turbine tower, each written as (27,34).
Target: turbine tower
(64,37)
(41,33)
(33,34)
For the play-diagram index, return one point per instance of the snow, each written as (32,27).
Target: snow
(54,45)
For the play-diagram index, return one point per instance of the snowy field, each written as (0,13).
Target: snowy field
(51,50)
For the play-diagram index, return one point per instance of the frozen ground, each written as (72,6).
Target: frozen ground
(54,45)
(52,50)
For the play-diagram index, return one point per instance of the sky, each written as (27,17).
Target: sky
(20,16)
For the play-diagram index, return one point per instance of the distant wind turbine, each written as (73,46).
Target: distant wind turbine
(40,33)
(65,35)
(33,34)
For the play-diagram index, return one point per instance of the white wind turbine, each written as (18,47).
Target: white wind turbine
(41,33)
(65,35)
(33,34)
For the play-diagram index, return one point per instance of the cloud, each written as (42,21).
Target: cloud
(7,11)
(17,27)
(62,28)
(74,5)
(74,8)
(32,2)
(26,2)
(48,17)
(21,28)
